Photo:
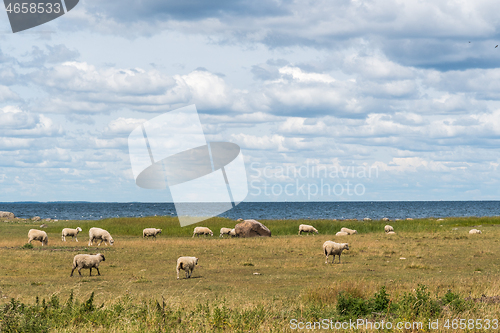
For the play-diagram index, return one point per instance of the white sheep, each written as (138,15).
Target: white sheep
(367,219)
(390,233)
(474,231)
(341,233)
(101,234)
(349,231)
(335,249)
(225,231)
(39,235)
(202,231)
(306,228)
(388,228)
(151,232)
(70,232)
(385,219)
(187,264)
(87,261)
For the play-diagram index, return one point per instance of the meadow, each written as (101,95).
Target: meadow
(429,270)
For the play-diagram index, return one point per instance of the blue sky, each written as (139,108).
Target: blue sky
(398,99)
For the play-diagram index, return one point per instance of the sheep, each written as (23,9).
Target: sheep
(367,219)
(232,233)
(349,231)
(307,228)
(341,233)
(388,228)
(409,219)
(202,231)
(150,232)
(225,231)
(87,261)
(103,235)
(70,232)
(187,264)
(385,219)
(391,233)
(474,231)
(39,235)
(334,249)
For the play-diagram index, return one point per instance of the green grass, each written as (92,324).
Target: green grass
(138,290)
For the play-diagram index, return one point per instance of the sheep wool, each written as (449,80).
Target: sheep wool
(87,261)
(225,231)
(187,264)
(334,249)
(307,228)
(151,232)
(474,232)
(349,231)
(39,235)
(341,233)
(202,231)
(232,233)
(70,232)
(388,228)
(100,234)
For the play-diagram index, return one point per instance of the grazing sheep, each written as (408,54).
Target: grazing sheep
(474,231)
(225,231)
(390,233)
(187,264)
(70,232)
(87,261)
(307,228)
(367,219)
(341,233)
(44,226)
(440,220)
(202,231)
(103,235)
(38,235)
(334,249)
(349,231)
(150,232)
(409,219)
(388,228)
(385,219)
(232,233)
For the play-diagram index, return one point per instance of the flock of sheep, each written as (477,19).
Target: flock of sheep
(183,263)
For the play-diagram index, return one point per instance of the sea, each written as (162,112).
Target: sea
(260,210)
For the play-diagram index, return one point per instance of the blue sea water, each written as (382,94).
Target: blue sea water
(260,210)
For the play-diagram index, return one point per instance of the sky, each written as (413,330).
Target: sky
(328,100)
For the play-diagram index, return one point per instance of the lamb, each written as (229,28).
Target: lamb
(187,264)
(202,231)
(306,228)
(341,233)
(101,234)
(225,231)
(474,231)
(334,249)
(87,261)
(150,232)
(349,231)
(70,232)
(388,228)
(39,235)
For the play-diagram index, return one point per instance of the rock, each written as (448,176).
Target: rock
(44,226)
(251,228)
(409,219)
(47,219)
(36,218)
(367,219)
(7,215)
(385,219)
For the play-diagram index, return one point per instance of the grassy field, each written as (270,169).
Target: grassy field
(428,269)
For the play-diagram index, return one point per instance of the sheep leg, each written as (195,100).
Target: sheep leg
(326,262)
(98,273)
(79,271)
(63,239)
(72,272)
(90,271)
(99,242)
(76,239)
